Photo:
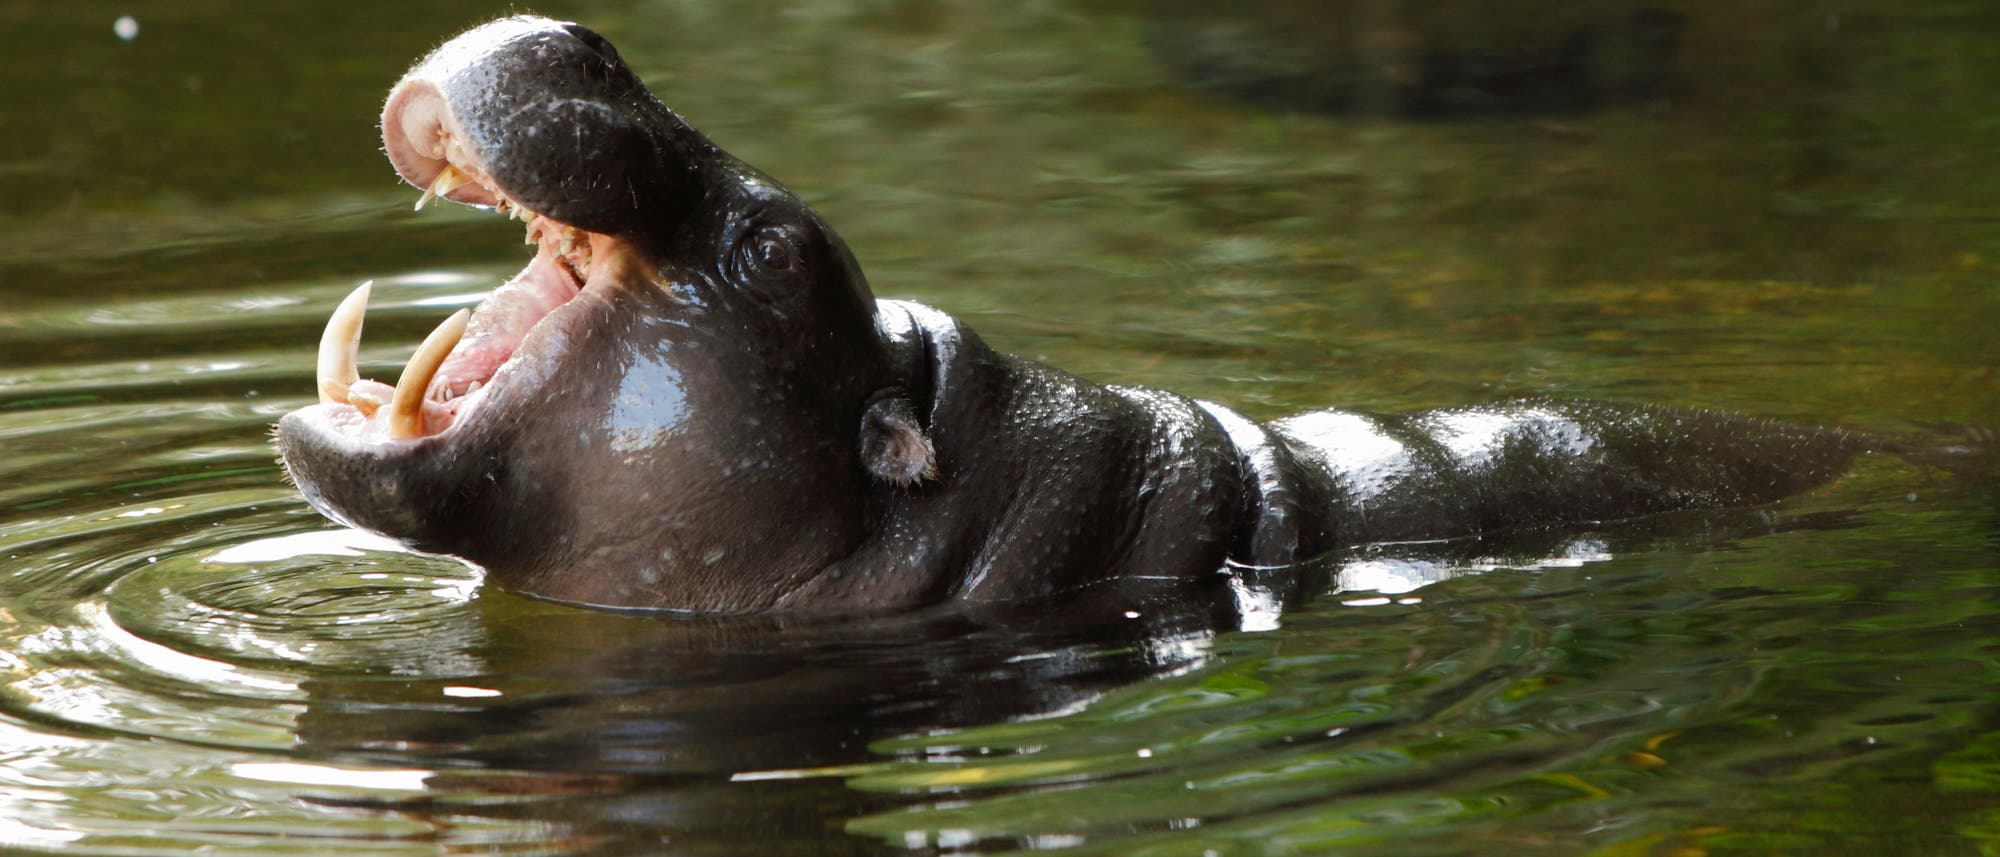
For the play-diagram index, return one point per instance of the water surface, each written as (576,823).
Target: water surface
(1800,226)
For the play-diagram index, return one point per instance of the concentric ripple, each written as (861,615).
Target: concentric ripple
(167,605)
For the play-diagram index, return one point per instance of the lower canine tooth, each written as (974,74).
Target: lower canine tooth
(339,345)
(406,410)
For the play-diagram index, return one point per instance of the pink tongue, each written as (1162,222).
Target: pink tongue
(499,324)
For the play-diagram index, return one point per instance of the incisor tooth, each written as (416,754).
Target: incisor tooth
(339,344)
(406,410)
(369,396)
(448,179)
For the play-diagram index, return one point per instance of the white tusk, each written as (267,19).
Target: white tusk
(406,410)
(340,344)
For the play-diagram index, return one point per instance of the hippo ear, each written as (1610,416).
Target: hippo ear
(893,443)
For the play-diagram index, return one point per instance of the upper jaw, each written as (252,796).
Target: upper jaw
(424,132)
(533,113)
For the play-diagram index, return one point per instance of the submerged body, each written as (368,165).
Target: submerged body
(690,399)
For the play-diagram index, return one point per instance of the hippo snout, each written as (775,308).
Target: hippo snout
(549,112)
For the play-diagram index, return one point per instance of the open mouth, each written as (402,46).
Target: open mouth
(445,379)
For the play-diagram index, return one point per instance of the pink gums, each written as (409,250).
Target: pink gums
(501,322)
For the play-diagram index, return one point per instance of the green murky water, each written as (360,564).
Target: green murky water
(1802,225)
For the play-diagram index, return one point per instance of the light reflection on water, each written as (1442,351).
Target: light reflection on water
(190,658)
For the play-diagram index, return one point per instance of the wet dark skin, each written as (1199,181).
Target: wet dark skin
(724,418)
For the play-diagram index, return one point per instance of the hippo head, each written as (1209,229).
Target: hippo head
(684,399)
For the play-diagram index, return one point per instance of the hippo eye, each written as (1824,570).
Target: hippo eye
(772,250)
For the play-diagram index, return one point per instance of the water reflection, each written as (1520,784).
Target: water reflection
(601,728)
(650,406)
(458,708)
(496,720)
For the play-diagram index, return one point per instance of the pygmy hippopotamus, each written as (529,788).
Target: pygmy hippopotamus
(690,399)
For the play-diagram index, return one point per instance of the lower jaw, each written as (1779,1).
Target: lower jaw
(456,365)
